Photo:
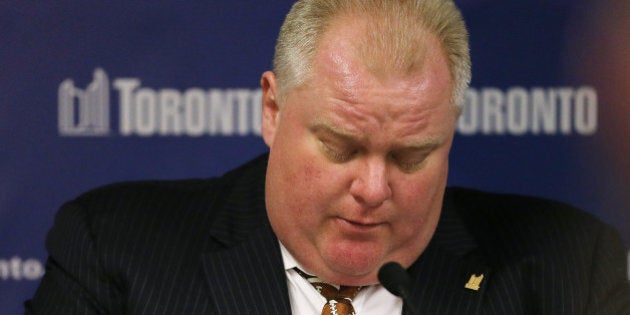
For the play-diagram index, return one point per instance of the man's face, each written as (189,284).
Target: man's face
(358,163)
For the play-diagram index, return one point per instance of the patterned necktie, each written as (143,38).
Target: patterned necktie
(339,298)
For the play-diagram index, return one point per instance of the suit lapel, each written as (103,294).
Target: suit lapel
(250,276)
(447,278)
(243,264)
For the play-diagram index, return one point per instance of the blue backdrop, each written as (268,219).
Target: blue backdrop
(95,92)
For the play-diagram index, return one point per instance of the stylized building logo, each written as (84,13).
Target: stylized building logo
(84,112)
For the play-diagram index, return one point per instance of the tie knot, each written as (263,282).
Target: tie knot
(332,292)
(339,297)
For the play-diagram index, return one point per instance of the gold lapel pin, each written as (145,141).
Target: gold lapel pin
(474,282)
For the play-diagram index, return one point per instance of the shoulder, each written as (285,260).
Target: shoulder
(552,254)
(133,219)
(147,196)
(127,206)
(517,209)
(123,238)
(180,197)
(155,210)
(514,225)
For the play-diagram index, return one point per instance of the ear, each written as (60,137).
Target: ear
(270,109)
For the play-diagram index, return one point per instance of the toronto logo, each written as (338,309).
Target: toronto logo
(147,111)
(84,112)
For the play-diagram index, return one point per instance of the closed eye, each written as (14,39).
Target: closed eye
(410,161)
(337,145)
(337,152)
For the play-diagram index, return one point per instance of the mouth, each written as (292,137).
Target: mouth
(358,225)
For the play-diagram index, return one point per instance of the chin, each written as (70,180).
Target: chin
(355,278)
(355,269)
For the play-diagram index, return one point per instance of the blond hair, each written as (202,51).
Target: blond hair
(396,33)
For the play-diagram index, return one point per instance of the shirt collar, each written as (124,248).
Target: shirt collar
(288,260)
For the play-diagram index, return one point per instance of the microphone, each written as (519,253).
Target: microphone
(395,279)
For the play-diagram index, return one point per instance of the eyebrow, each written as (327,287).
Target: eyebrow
(423,144)
(334,130)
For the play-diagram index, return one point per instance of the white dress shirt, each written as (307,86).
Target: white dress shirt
(305,300)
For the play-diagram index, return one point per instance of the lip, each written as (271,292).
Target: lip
(358,225)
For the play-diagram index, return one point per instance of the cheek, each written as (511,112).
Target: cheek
(311,173)
(421,195)
(303,179)
(317,183)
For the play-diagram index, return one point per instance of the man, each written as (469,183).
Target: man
(359,116)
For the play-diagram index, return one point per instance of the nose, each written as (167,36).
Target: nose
(371,186)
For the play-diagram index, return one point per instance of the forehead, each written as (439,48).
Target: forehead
(384,44)
(344,93)
(340,64)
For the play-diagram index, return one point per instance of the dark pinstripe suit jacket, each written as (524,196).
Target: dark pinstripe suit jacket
(206,247)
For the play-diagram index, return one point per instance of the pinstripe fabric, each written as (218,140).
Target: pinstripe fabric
(538,257)
(206,247)
(138,248)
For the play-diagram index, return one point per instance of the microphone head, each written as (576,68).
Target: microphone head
(394,278)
